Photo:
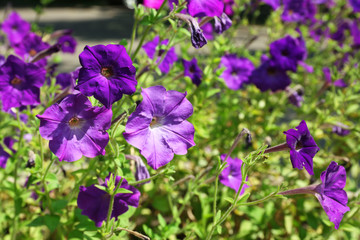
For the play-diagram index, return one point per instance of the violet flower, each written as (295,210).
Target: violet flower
(231,175)
(158,126)
(298,11)
(75,128)
(207,29)
(340,130)
(222,23)
(2,60)
(228,7)
(275,4)
(295,95)
(330,192)
(30,46)
(237,71)
(205,8)
(152,48)
(107,73)
(15,28)
(68,44)
(198,39)
(269,75)
(67,79)
(20,83)
(355,4)
(302,147)
(328,81)
(192,70)
(95,202)
(156,4)
(141,171)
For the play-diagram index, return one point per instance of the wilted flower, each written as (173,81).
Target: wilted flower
(158,127)
(222,23)
(341,130)
(95,202)
(153,48)
(75,128)
(302,147)
(15,28)
(192,70)
(231,175)
(198,39)
(330,192)
(141,172)
(68,43)
(237,71)
(20,83)
(269,75)
(205,8)
(107,73)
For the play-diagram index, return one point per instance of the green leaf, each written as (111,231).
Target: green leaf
(51,177)
(51,221)
(123,190)
(218,229)
(218,215)
(101,187)
(39,221)
(162,221)
(59,205)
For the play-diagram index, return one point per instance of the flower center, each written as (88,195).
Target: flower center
(15,81)
(66,44)
(74,122)
(285,52)
(155,122)
(192,69)
(32,52)
(106,72)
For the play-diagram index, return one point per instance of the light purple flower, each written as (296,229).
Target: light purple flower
(158,127)
(154,47)
(331,194)
(75,128)
(222,23)
(68,43)
(205,8)
(107,73)
(192,70)
(20,83)
(95,202)
(141,172)
(231,175)
(269,75)
(15,28)
(302,147)
(237,71)
(339,130)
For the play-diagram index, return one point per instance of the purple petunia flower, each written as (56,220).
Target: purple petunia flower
(207,29)
(340,35)
(275,4)
(107,73)
(337,83)
(339,130)
(4,156)
(95,202)
(231,175)
(222,23)
(298,11)
(205,8)
(355,4)
(330,192)
(319,30)
(302,147)
(198,39)
(156,4)
(15,28)
(237,71)
(20,83)
(228,7)
(192,70)
(295,96)
(31,45)
(67,79)
(68,44)
(269,75)
(287,53)
(75,128)
(154,47)
(158,127)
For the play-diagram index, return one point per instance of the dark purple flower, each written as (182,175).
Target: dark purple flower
(302,147)
(75,128)
(4,156)
(95,202)
(107,73)
(192,70)
(30,46)
(198,39)
(355,4)
(222,23)
(319,30)
(275,4)
(158,127)
(15,28)
(67,79)
(205,8)
(337,83)
(298,11)
(20,83)
(155,47)
(331,194)
(237,71)
(340,130)
(269,75)
(355,33)
(231,175)
(68,43)
(295,96)
(287,52)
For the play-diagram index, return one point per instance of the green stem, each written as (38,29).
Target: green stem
(133,34)
(45,185)
(258,201)
(112,202)
(148,179)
